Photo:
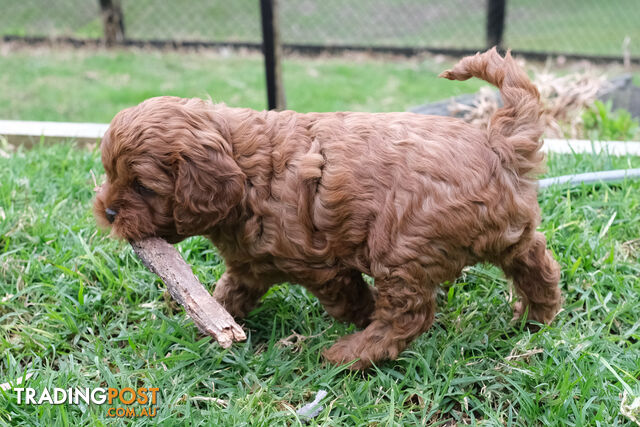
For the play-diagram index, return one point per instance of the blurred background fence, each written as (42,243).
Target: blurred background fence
(600,28)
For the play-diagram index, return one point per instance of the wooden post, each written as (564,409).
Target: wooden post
(495,22)
(272,50)
(112,21)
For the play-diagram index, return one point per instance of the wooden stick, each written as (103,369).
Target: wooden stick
(208,315)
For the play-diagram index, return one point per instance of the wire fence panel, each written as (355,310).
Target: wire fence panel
(193,20)
(591,27)
(402,23)
(41,18)
(586,27)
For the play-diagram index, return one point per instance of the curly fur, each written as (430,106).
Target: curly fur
(320,198)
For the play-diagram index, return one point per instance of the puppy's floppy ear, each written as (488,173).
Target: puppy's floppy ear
(208,185)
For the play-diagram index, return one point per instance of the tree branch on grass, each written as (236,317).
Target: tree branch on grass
(208,315)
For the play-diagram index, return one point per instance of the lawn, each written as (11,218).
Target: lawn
(79,310)
(92,86)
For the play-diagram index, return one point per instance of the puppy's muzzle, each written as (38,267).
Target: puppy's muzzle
(110,214)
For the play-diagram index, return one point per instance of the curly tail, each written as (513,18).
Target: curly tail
(516,128)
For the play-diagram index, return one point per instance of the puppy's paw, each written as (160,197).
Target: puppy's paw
(236,305)
(346,350)
(518,311)
(542,313)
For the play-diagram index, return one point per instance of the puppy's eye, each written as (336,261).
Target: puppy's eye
(142,190)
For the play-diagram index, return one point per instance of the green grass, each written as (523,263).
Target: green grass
(79,310)
(85,85)
(569,26)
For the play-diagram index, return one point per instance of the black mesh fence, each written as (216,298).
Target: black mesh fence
(579,27)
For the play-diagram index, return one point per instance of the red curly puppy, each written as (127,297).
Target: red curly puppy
(320,198)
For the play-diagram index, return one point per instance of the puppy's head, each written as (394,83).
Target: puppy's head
(170,170)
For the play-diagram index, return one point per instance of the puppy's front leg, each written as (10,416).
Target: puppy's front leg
(347,298)
(239,294)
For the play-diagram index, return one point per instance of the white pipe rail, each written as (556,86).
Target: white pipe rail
(18,130)
(590,177)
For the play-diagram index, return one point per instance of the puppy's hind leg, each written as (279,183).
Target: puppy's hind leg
(347,298)
(535,277)
(404,309)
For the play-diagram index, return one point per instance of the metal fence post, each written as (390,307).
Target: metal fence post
(495,22)
(272,50)
(112,21)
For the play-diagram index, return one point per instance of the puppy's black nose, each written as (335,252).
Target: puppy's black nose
(110,214)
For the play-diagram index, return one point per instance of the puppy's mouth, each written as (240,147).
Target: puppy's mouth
(173,239)
(132,224)
(123,223)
